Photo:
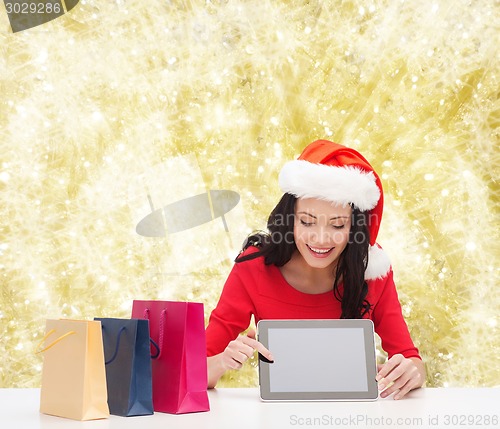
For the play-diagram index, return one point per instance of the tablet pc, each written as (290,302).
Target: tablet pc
(318,360)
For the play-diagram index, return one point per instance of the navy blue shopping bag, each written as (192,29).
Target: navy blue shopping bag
(128,366)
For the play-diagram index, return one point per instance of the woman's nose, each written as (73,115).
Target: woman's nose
(322,235)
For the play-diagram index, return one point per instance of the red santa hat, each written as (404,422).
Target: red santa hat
(332,172)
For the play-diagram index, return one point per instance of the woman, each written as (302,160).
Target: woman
(318,261)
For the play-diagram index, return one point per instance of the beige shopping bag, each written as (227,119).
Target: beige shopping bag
(73,374)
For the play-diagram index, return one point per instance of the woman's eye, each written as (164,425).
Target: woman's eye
(303,222)
(339,226)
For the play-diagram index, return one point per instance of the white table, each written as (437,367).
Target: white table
(242,408)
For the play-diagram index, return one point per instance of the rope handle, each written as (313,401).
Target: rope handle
(163,317)
(157,354)
(47,335)
(115,353)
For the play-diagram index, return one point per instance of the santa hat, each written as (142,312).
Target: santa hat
(332,172)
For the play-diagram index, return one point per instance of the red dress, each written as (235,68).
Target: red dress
(253,288)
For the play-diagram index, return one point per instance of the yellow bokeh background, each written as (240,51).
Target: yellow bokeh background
(122,106)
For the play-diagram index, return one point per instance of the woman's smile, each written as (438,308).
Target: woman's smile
(320,252)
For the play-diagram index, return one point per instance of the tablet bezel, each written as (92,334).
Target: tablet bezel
(366,325)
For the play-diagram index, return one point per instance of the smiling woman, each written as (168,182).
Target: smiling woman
(333,268)
(322,230)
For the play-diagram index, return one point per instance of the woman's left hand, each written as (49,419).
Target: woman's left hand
(399,375)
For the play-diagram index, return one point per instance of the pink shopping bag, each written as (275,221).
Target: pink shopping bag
(180,369)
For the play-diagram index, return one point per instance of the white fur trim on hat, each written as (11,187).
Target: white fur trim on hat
(344,185)
(379,263)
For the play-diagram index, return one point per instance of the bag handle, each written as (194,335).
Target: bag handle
(157,354)
(163,318)
(47,335)
(115,353)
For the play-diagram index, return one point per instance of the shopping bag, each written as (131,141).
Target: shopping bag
(73,374)
(128,366)
(180,370)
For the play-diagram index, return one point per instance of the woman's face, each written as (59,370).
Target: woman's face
(321,230)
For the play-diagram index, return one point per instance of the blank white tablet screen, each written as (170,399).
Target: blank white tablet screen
(341,351)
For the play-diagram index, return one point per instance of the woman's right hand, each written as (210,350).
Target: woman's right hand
(234,356)
(241,349)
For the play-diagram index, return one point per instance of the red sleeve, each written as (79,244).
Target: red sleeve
(389,321)
(232,314)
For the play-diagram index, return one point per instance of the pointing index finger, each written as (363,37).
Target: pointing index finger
(256,345)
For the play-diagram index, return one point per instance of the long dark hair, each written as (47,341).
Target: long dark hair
(277,247)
